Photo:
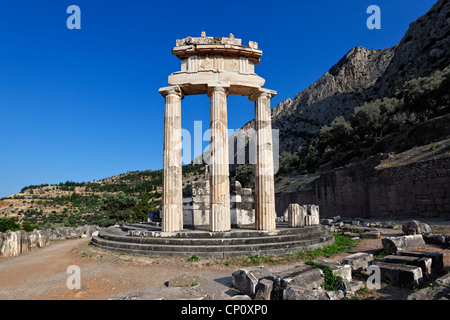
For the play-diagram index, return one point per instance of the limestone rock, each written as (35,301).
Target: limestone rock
(358,261)
(444,280)
(296,215)
(264,289)
(312,215)
(415,227)
(392,245)
(423,263)
(184,280)
(308,279)
(299,293)
(431,293)
(246,279)
(342,270)
(437,258)
(401,274)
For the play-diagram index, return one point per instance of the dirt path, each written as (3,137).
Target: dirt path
(41,273)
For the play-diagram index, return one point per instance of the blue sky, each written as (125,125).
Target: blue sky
(83,105)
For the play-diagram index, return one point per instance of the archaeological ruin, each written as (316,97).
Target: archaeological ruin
(215,220)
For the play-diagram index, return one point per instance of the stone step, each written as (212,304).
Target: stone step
(205,248)
(234,233)
(213,251)
(202,241)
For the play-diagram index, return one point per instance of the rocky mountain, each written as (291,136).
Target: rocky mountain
(342,88)
(424,48)
(361,75)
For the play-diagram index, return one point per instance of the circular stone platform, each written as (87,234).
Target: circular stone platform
(150,241)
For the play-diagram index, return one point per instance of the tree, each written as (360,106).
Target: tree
(8,224)
(245,174)
(118,206)
(338,135)
(141,210)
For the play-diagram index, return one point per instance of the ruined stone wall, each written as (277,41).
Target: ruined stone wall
(421,189)
(196,205)
(13,243)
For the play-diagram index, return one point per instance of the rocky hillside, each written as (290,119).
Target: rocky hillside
(342,88)
(76,203)
(362,75)
(424,48)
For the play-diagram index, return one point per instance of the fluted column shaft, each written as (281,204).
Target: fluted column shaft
(172,218)
(264,180)
(219,214)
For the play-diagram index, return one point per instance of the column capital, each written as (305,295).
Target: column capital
(218,87)
(175,90)
(262,92)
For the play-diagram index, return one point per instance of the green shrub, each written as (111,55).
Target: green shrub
(8,224)
(28,226)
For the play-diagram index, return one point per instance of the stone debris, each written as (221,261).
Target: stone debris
(437,259)
(13,243)
(302,215)
(165,293)
(358,261)
(439,291)
(392,245)
(302,282)
(245,280)
(400,274)
(264,289)
(423,263)
(184,280)
(415,227)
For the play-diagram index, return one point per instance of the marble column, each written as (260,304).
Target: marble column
(219,214)
(264,180)
(172,217)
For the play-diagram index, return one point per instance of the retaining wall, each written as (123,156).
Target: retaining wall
(420,189)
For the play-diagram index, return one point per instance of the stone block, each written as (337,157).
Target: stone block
(392,245)
(444,280)
(326,222)
(415,227)
(246,279)
(312,215)
(296,215)
(342,270)
(370,235)
(423,263)
(264,289)
(431,293)
(349,286)
(184,280)
(358,261)
(309,279)
(401,274)
(437,258)
(298,293)
(24,242)
(10,244)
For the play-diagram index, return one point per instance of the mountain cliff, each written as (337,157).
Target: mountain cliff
(361,75)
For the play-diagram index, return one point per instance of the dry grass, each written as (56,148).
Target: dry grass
(430,151)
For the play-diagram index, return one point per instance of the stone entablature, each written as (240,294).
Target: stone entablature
(219,60)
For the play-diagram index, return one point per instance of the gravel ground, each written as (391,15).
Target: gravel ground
(41,274)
